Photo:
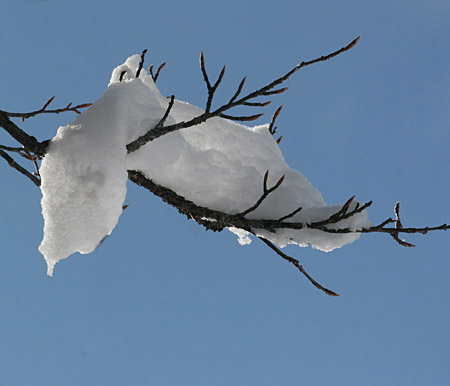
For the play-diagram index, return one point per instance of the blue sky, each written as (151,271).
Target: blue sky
(163,302)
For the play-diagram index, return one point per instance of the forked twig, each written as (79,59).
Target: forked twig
(19,168)
(266,90)
(44,110)
(155,76)
(266,192)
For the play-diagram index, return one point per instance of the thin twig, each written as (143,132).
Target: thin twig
(211,88)
(166,114)
(342,214)
(266,192)
(141,63)
(155,76)
(44,110)
(292,214)
(13,149)
(19,168)
(272,130)
(297,264)
(266,90)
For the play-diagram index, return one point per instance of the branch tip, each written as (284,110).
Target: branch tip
(48,102)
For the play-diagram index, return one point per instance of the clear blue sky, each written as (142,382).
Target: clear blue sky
(163,302)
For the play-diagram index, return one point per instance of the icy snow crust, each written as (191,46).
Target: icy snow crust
(219,164)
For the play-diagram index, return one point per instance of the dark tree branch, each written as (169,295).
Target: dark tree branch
(272,130)
(297,264)
(19,168)
(292,214)
(266,192)
(155,76)
(29,142)
(44,110)
(19,150)
(223,220)
(141,63)
(154,133)
(217,221)
(169,107)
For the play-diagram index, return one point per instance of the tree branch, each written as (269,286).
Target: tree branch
(155,76)
(266,192)
(297,264)
(221,220)
(29,142)
(19,168)
(44,110)
(266,90)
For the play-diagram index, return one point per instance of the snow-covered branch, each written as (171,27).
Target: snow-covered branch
(216,173)
(217,221)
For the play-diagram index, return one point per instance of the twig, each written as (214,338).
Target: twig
(141,63)
(44,110)
(273,130)
(266,90)
(211,88)
(297,264)
(342,214)
(292,214)
(33,158)
(239,221)
(13,149)
(169,107)
(266,192)
(155,76)
(29,142)
(398,225)
(19,168)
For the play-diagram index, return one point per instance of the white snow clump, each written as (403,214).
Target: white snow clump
(219,164)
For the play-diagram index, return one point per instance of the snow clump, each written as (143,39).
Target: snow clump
(218,164)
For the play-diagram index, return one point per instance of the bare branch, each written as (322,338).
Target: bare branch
(266,192)
(141,63)
(244,118)
(29,142)
(155,76)
(152,133)
(272,130)
(292,214)
(163,119)
(13,149)
(341,214)
(297,264)
(239,90)
(44,110)
(211,89)
(217,221)
(19,168)
(273,92)
(257,104)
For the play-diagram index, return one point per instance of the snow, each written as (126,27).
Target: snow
(219,164)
